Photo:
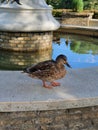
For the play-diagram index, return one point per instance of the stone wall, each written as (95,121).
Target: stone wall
(70,119)
(93,22)
(25,41)
(72,18)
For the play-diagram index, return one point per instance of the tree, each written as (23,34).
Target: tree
(68,4)
(77,5)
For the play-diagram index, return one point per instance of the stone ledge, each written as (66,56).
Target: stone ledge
(79,27)
(83,30)
(18,92)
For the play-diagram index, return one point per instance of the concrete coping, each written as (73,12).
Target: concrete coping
(79,27)
(18,92)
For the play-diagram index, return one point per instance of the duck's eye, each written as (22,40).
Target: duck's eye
(64,62)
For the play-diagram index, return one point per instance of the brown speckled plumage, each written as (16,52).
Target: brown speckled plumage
(49,70)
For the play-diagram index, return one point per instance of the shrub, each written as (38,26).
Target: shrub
(77,5)
(95,14)
(57,12)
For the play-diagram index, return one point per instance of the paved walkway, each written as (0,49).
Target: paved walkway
(18,92)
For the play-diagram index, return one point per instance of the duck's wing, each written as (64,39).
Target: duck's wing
(40,67)
(45,71)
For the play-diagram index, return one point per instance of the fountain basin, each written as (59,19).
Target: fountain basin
(26,27)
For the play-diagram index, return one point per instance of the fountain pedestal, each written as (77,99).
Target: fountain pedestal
(26,27)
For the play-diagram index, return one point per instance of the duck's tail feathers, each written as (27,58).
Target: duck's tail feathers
(25,70)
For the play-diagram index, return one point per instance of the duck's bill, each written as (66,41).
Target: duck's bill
(68,65)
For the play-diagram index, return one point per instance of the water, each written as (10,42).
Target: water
(81,51)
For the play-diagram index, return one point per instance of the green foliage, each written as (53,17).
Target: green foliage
(91,4)
(95,14)
(57,12)
(55,3)
(59,4)
(77,5)
(82,47)
(68,4)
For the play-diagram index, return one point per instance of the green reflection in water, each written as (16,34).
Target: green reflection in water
(79,44)
(82,47)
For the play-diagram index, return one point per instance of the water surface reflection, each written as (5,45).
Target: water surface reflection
(19,60)
(81,51)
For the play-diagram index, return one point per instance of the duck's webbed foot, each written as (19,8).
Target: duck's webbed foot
(55,84)
(46,85)
(52,84)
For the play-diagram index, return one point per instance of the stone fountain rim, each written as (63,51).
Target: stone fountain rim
(69,95)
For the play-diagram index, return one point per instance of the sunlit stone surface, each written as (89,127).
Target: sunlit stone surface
(79,88)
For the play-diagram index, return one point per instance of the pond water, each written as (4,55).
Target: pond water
(81,51)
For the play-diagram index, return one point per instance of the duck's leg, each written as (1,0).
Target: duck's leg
(46,85)
(55,84)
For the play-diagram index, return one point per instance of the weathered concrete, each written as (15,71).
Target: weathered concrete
(83,30)
(75,18)
(93,22)
(18,92)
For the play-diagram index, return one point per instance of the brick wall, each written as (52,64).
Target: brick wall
(70,119)
(23,41)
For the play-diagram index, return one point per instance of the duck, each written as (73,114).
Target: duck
(49,71)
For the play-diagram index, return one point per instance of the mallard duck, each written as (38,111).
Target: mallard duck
(49,71)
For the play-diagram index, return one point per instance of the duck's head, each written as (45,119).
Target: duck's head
(62,59)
